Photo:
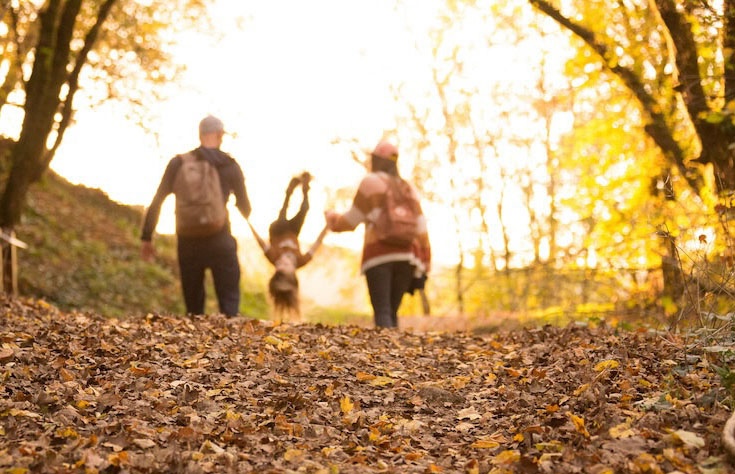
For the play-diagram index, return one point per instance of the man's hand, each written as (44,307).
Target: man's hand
(331,217)
(147,252)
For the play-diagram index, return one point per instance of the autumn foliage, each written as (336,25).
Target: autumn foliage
(84,393)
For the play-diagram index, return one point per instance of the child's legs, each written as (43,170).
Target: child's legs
(297,221)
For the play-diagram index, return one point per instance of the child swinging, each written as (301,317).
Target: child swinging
(283,250)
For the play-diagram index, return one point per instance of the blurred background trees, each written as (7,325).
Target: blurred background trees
(577,157)
(115,48)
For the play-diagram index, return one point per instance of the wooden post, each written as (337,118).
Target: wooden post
(9,261)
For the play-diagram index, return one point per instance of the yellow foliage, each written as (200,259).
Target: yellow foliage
(621,431)
(581,389)
(607,365)
(485,444)
(507,457)
(346,405)
(578,422)
(292,454)
(381,381)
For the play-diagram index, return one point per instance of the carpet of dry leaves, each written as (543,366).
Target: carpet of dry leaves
(82,393)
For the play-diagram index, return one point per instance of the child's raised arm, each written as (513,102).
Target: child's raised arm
(318,242)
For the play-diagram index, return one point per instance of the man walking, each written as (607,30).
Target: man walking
(202,181)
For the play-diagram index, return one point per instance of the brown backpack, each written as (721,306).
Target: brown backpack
(200,204)
(397,223)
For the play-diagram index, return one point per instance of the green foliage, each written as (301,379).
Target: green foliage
(334,316)
(84,254)
(254,304)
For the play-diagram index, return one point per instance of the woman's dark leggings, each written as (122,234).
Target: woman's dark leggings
(386,284)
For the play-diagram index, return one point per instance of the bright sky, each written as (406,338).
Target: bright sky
(296,76)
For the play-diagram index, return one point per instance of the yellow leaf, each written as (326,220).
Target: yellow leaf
(460,381)
(518,438)
(328,450)
(579,424)
(581,389)
(485,444)
(381,381)
(509,456)
(363,376)
(118,459)
(646,463)
(551,446)
(67,432)
(272,340)
(346,405)
(292,454)
(621,431)
(607,365)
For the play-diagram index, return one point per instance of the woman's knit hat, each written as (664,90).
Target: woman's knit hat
(386,150)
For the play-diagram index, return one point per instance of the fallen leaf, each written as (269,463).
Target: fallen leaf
(621,431)
(468,414)
(144,443)
(606,365)
(346,405)
(6,353)
(485,444)
(510,456)
(293,454)
(578,422)
(688,438)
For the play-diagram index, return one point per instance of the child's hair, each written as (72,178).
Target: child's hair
(284,290)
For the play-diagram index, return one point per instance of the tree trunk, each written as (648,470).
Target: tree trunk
(43,97)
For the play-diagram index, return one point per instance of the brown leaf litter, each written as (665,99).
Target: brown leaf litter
(84,393)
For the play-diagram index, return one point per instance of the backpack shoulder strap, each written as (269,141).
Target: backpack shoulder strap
(188,156)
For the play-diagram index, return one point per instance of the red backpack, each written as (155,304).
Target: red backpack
(397,223)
